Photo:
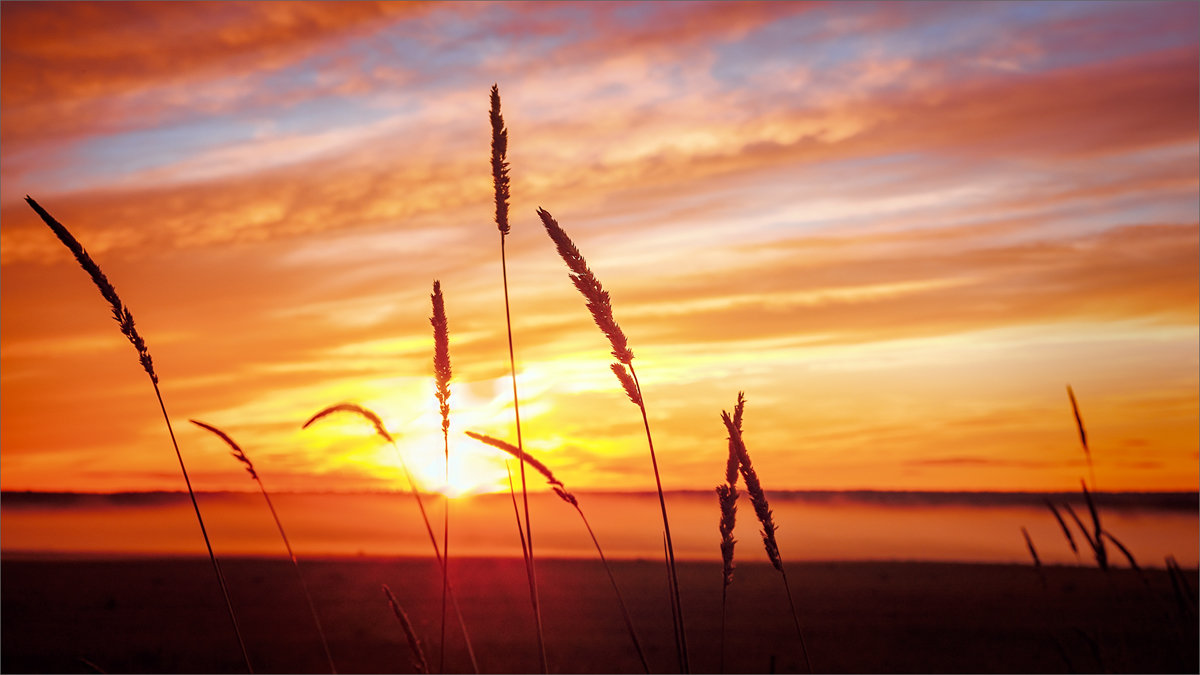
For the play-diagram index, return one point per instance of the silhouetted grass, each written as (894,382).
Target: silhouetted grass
(240,456)
(600,307)
(500,188)
(124,319)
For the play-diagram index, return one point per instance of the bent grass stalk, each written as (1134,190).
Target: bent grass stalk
(441,369)
(124,318)
(500,188)
(758,498)
(560,490)
(600,307)
(414,644)
(240,456)
(412,485)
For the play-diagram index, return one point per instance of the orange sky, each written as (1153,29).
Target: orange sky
(901,228)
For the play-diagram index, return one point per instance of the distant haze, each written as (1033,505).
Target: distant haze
(813,526)
(901,228)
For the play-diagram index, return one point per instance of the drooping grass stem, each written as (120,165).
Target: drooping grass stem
(383,433)
(240,455)
(569,498)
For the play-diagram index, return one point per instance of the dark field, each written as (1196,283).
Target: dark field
(166,615)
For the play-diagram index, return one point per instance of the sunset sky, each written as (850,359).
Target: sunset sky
(901,228)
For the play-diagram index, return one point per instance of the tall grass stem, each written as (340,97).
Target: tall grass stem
(124,319)
(500,184)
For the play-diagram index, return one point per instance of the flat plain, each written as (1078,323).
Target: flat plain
(166,615)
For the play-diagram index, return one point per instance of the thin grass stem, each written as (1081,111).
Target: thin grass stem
(124,319)
(662,503)
(412,485)
(569,498)
(240,455)
(414,643)
(500,183)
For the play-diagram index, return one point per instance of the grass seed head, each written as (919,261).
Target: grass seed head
(598,302)
(441,353)
(120,312)
(357,410)
(499,165)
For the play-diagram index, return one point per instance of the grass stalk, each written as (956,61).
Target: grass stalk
(569,498)
(512,491)
(414,643)
(1087,536)
(727,496)
(1037,562)
(671,591)
(758,498)
(600,307)
(1087,452)
(1065,530)
(383,433)
(500,183)
(441,369)
(240,456)
(1097,537)
(124,318)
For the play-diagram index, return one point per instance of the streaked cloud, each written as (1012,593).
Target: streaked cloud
(902,228)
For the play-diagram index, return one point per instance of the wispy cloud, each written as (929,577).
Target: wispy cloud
(881,220)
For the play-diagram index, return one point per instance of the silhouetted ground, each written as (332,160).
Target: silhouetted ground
(166,615)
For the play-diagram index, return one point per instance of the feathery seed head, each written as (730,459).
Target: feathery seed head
(499,165)
(441,353)
(731,464)
(236,450)
(411,635)
(627,383)
(358,410)
(120,312)
(598,302)
(516,452)
(565,496)
(758,497)
(727,496)
(1079,423)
